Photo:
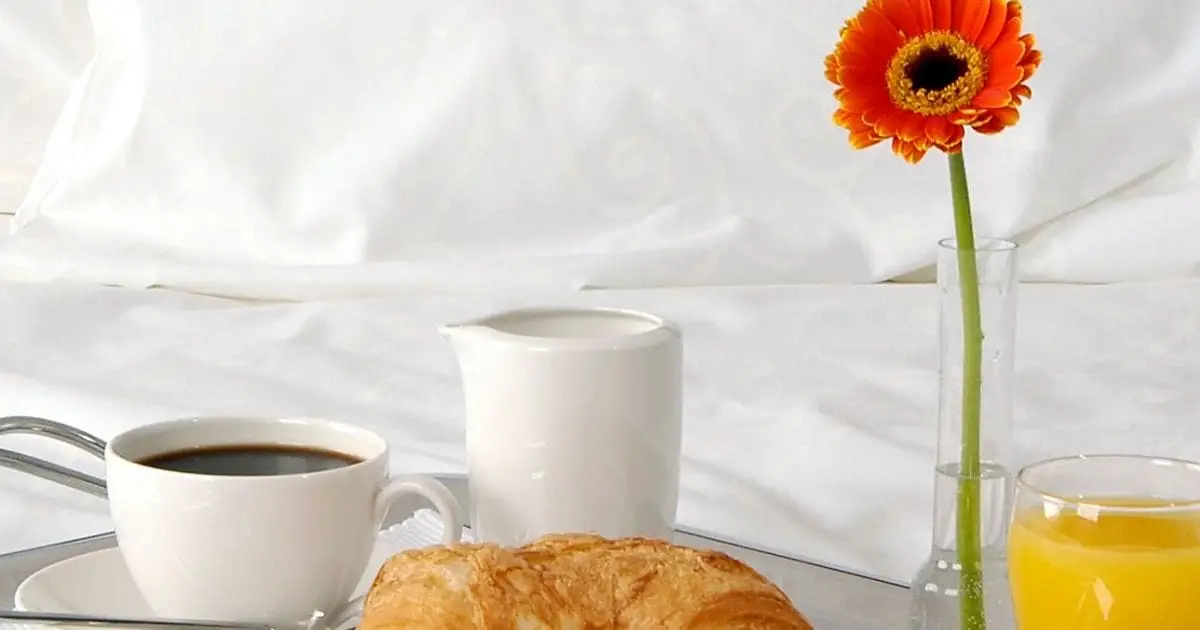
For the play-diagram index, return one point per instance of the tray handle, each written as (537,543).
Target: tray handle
(50,471)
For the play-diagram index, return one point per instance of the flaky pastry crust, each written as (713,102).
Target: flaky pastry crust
(574,582)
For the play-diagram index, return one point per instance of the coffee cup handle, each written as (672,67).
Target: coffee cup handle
(434,491)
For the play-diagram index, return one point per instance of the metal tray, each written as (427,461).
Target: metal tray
(832,598)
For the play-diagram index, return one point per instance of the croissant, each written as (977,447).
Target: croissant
(574,582)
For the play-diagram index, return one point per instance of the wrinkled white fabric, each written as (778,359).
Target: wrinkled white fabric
(304,149)
(44,45)
(810,412)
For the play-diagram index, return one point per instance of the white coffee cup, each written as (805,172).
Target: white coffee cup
(266,548)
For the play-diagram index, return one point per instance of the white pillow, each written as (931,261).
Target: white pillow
(308,148)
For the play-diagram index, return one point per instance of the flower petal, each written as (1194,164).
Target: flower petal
(870,83)
(938,129)
(868,60)
(1004,77)
(942,16)
(996,17)
(885,123)
(900,13)
(846,118)
(831,69)
(871,40)
(992,98)
(1010,32)
(1006,54)
(880,32)
(997,120)
(970,17)
(963,117)
(1009,116)
(861,139)
(912,127)
(858,57)
(1032,58)
(1015,10)
(877,115)
(924,14)
(908,150)
(856,42)
(1029,41)
(859,81)
(955,140)
(856,100)
(1030,62)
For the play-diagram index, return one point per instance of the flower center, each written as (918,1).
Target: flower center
(934,70)
(936,73)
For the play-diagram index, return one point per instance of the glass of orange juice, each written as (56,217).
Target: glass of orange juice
(1108,542)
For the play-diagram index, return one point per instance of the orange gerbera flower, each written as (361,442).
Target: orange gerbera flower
(919,71)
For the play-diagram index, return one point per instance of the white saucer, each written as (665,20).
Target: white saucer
(99,583)
(92,583)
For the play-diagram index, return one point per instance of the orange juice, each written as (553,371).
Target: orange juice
(1099,570)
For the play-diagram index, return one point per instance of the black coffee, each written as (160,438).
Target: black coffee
(251,460)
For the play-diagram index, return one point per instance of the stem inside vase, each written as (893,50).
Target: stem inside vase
(970,546)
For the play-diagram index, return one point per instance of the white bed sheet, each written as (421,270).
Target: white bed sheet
(809,410)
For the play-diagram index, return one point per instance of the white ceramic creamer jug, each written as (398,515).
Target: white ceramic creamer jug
(573,421)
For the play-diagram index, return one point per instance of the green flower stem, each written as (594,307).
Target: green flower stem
(969,543)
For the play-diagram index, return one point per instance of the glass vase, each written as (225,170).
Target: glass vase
(964,583)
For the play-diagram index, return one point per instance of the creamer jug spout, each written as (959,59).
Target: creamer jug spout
(467,338)
(459,330)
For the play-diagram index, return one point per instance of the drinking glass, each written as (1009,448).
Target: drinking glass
(1106,542)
